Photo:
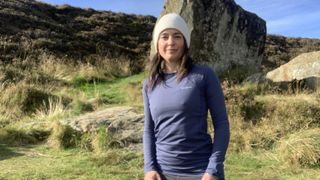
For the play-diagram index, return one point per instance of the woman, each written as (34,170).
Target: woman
(177,96)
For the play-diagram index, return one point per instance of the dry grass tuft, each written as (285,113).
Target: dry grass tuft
(56,67)
(63,136)
(112,157)
(23,98)
(260,121)
(53,110)
(100,140)
(301,148)
(133,90)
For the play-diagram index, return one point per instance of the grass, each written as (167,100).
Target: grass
(53,87)
(301,148)
(126,91)
(252,165)
(264,165)
(120,164)
(47,163)
(260,120)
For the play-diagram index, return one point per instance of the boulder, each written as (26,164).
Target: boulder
(122,123)
(304,67)
(223,35)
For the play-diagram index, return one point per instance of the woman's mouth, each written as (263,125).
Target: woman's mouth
(172,50)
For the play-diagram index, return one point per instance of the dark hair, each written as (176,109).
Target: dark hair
(156,71)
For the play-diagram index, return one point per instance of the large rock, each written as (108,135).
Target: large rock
(122,123)
(223,35)
(304,67)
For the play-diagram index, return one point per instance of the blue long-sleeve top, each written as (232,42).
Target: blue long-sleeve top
(175,136)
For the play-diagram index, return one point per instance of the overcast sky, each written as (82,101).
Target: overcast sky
(294,18)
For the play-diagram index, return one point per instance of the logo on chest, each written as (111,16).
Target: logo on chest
(186,87)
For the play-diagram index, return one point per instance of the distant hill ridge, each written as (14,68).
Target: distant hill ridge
(65,30)
(29,26)
(280,49)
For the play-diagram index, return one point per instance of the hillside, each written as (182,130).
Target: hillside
(28,26)
(280,49)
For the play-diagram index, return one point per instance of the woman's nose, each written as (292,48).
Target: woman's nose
(171,40)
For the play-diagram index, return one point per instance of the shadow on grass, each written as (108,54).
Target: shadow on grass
(7,153)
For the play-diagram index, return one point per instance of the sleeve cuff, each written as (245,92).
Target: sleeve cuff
(150,169)
(216,169)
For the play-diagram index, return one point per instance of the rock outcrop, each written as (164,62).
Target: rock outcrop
(304,67)
(124,124)
(223,35)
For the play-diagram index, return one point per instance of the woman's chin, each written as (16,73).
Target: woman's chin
(171,58)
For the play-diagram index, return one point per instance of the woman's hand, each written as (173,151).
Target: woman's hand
(207,176)
(152,175)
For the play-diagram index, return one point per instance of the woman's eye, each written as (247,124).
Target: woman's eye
(164,37)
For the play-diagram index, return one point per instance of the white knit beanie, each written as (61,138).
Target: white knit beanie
(167,21)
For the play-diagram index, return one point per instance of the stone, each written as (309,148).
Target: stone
(223,35)
(256,78)
(128,130)
(304,67)
(123,124)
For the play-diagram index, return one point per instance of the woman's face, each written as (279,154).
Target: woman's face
(171,45)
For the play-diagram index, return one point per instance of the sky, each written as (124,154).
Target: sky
(292,18)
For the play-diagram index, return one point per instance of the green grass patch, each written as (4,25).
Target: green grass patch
(264,165)
(117,91)
(41,162)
